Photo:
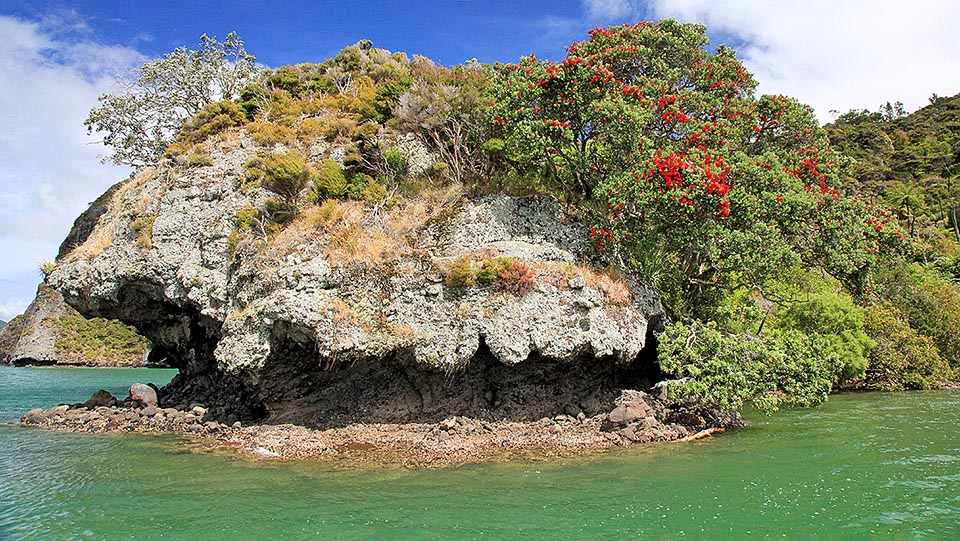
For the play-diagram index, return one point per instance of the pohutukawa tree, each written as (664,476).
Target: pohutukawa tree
(703,183)
(672,140)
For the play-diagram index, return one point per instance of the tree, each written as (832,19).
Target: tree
(144,116)
(671,140)
(443,108)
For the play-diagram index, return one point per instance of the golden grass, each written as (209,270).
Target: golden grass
(357,233)
(99,240)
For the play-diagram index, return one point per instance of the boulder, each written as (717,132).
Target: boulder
(143,394)
(34,417)
(99,399)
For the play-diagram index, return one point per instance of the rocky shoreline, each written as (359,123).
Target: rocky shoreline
(637,418)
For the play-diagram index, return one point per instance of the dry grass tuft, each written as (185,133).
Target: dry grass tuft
(98,241)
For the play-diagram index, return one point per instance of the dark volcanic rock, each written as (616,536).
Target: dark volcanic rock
(99,399)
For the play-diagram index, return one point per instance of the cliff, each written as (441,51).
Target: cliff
(431,305)
(50,332)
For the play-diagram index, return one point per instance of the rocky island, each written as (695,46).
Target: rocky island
(378,254)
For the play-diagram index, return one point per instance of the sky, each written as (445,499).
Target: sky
(57,57)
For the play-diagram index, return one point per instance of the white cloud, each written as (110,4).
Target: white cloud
(50,77)
(607,10)
(9,310)
(833,55)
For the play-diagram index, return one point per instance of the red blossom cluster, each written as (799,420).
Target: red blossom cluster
(671,116)
(602,235)
(708,175)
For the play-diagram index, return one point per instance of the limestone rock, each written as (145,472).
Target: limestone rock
(272,326)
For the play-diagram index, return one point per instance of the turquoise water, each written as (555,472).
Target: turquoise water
(865,466)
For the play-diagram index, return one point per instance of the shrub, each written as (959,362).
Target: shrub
(143,226)
(500,272)
(213,119)
(461,273)
(46,267)
(930,304)
(835,317)
(719,369)
(362,187)
(269,134)
(329,182)
(516,278)
(311,129)
(902,358)
(491,268)
(283,174)
(199,160)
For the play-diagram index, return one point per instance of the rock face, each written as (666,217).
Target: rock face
(27,340)
(50,332)
(299,328)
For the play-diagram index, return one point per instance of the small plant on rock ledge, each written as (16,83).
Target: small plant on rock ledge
(501,272)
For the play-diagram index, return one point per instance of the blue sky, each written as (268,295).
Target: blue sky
(56,57)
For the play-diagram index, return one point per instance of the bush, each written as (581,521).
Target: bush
(491,268)
(835,317)
(143,227)
(718,369)
(328,183)
(902,358)
(517,278)
(462,273)
(283,174)
(199,160)
(269,134)
(930,304)
(501,272)
(46,267)
(213,119)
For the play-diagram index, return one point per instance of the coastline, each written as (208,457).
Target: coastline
(453,441)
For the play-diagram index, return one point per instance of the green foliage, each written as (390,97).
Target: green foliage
(212,119)
(97,341)
(910,161)
(715,368)
(671,140)
(142,120)
(46,267)
(836,318)
(928,302)
(491,268)
(330,182)
(501,272)
(199,160)
(902,358)
(462,273)
(286,175)
(442,107)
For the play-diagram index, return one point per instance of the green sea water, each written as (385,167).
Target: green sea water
(864,466)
